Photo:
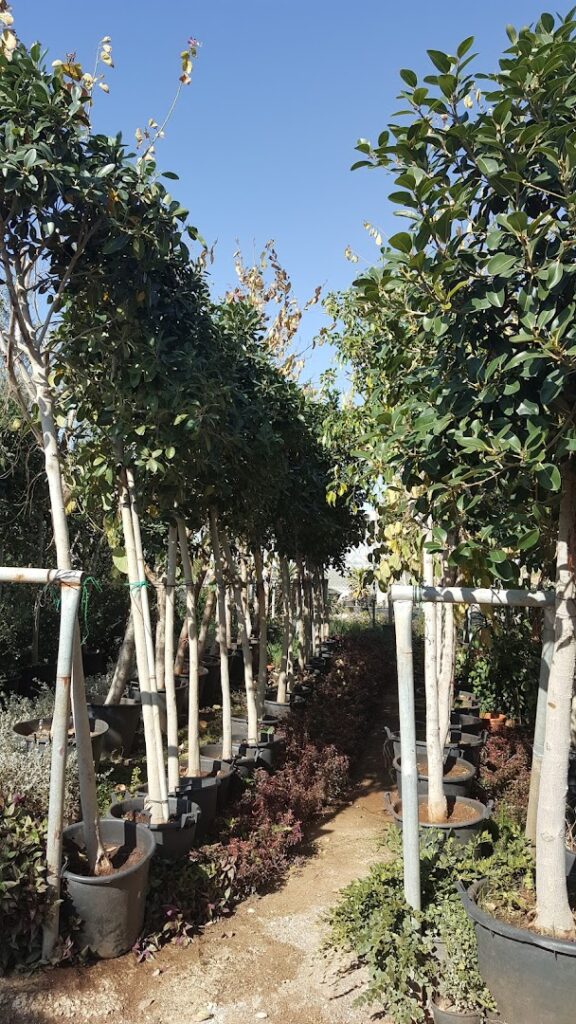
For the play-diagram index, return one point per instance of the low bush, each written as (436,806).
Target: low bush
(24,897)
(505,771)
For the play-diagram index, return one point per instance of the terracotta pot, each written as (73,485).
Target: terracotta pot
(495,721)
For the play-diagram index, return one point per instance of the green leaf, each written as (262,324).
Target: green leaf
(103,172)
(464,46)
(402,241)
(440,60)
(529,540)
(171,175)
(30,158)
(501,263)
(549,477)
(409,77)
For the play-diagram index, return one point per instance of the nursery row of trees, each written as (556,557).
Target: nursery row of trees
(462,343)
(170,424)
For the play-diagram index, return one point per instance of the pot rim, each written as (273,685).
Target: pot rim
(567,947)
(448,826)
(445,778)
(147,854)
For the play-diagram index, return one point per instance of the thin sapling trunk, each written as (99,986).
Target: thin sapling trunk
(262,628)
(193,676)
(124,664)
(437,806)
(222,640)
(285,674)
(168,654)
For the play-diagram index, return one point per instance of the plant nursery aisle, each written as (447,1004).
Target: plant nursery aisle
(265,962)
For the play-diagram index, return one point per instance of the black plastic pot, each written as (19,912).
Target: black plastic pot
(27,732)
(244,767)
(468,723)
(470,747)
(453,1017)
(223,771)
(122,719)
(532,977)
(266,755)
(461,832)
(173,839)
(452,787)
(275,708)
(204,792)
(450,750)
(111,907)
(213,750)
(465,700)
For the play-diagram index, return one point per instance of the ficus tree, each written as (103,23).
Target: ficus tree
(483,282)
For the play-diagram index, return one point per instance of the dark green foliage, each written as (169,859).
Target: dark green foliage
(23,890)
(502,664)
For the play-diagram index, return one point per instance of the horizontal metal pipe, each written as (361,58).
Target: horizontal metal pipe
(14,574)
(472,595)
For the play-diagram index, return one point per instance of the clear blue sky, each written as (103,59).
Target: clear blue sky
(264,137)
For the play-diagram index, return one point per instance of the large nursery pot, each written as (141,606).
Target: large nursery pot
(122,719)
(277,709)
(173,839)
(470,747)
(266,755)
(203,790)
(35,735)
(223,772)
(440,1016)
(111,907)
(465,700)
(450,750)
(461,831)
(532,977)
(458,778)
(468,723)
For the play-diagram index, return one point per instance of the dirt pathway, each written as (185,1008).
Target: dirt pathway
(264,963)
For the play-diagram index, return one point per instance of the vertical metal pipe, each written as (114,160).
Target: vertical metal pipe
(540,724)
(410,823)
(60,722)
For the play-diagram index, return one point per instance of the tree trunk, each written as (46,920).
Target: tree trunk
(180,659)
(245,595)
(168,655)
(206,620)
(299,624)
(124,664)
(244,639)
(437,806)
(229,606)
(193,678)
(553,909)
(160,588)
(222,639)
(262,628)
(149,639)
(317,603)
(152,734)
(87,779)
(285,674)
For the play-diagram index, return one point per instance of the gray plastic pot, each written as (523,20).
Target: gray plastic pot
(27,732)
(450,750)
(266,755)
(204,792)
(468,723)
(462,833)
(173,839)
(122,719)
(470,746)
(111,908)
(453,1016)
(223,771)
(452,787)
(532,977)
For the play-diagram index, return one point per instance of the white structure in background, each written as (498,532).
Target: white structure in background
(358,558)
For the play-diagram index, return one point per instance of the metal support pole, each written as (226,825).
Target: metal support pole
(409,766)
(540,724)
(473,595)
(70,593)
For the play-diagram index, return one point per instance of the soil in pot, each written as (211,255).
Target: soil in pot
(447,1015)
(532,977)
(466,817)
(458,775)
(111,907)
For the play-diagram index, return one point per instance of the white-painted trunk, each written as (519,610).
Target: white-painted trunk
(124,664)
(181,650)
(447,643)
(244,640)
(193,682)
(245,592)
(299,623)
(229,607)
(222,639)
(152,733)
(207,616)
(94,847)
(548,631)
(553,909)
(168,654)
(285,674)
(437,806)
(160,634)
(262,629)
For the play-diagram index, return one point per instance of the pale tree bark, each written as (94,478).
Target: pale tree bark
(262,628)
(207,616)
(168,655)
(181,649)
(285,674)
(317,605)
(193,678)
(553,909)
(222,639)
(160,588)
(245,598)
(299,622)
(152,734)
(229,607)
(306,613)
(244,639)
(437,806)
(148,635)
(325,609)
(124,664)
(87,778)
